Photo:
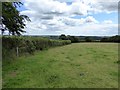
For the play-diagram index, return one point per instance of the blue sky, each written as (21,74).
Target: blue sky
(78,17)
(102,16)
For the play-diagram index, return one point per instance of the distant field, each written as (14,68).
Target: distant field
(80,65)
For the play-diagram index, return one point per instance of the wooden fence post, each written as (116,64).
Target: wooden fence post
(17,51)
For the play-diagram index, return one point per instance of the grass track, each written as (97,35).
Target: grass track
(81,65)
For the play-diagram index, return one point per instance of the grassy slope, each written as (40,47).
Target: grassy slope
(81,65)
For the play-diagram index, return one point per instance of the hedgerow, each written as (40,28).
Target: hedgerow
(27,45)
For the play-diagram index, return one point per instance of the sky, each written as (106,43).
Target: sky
(71,17)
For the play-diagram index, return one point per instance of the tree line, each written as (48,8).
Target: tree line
(76,39)
(111,39)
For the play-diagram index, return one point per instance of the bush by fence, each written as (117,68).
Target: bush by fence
(10,44)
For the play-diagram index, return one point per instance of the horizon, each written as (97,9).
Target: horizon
(72,35)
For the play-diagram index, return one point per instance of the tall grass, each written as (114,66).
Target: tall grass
(27,45)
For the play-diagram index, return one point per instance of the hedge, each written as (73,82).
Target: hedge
(27,45)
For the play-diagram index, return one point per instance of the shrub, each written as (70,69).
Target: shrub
(30,48)
(27,45)
(73,39)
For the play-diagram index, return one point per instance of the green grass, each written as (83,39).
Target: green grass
(81,65)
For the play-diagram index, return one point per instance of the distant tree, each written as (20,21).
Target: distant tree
(11,18)
(114,38)
(111,39)
(63,37)
(73,39)
(88,39)
(104,39)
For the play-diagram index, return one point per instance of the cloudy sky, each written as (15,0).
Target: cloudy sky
(71,17)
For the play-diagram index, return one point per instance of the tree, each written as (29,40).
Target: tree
(114,38)
(63,37)
(11,18)
(88,39)
(111,39)
(104,39)
(73,39)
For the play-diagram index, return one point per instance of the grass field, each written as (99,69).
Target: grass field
(80,65)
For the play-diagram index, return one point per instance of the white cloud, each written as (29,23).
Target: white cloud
(59,26)
(55,7)
(47,9)
(59,23)
(79,8)
(90,19)
(93,30)
(107,6)
(53,16)
(77,22)
(107,22)
(87,30)
(97,6)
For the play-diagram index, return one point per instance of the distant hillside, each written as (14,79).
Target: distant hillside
(80,37)
(91,37)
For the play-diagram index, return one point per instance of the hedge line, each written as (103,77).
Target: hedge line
(27,45)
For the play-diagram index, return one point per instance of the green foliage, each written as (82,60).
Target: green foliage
(30,48)
(40,43)
(63,37)
(88,39)
(104,39)
(11,18)
(111,39)
(27,44)
(73,39)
